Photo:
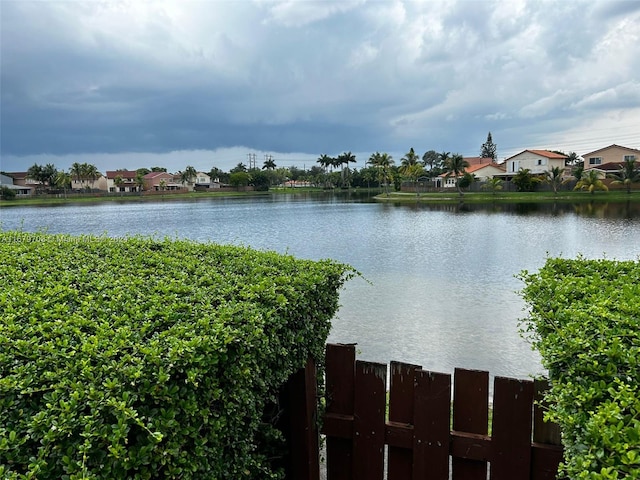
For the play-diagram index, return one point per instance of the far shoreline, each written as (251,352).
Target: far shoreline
(377,195)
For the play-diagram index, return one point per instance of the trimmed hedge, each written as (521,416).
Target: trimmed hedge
(146,358)
(585,321)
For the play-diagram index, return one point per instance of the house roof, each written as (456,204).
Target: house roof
(478,160)
(608,167)
(475,168)
(612,146)
(152,175)
(16,175)
(128,174)
(542,153)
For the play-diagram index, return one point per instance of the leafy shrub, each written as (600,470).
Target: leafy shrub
(585,321)
(6,193)
(145,358)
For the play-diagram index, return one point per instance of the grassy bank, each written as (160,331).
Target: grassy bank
(510,197)
(93,198)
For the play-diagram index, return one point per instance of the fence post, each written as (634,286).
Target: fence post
(300,424)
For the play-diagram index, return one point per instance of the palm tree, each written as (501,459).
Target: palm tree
(591,181)
(383,163)
(188,175)
(455,166)
(410,158)
(554,178)
(119,181)
(628,174)
(494,184)
(343,160)
(76,172)
(139,182)
(269,164)
(325,162)
(63,180)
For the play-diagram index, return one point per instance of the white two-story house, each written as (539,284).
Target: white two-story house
(536,161)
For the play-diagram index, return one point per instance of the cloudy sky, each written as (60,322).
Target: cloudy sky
(129,84)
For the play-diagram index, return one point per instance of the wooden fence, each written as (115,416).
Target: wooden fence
(430,431)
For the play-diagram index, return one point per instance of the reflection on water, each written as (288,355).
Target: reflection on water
(439,286)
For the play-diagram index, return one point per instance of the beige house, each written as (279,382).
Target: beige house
(482,172)
(536,161)
(613,154)
(155,181)
(128,183)
(99,183)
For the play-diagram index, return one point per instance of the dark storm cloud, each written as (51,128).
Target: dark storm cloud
(314,77)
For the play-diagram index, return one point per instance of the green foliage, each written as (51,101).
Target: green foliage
(584,320)
(145,358)
(525,181)
(7,193)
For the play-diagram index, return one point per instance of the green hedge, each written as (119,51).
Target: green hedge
(147,358)
(585,321)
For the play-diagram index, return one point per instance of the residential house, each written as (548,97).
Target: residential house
(22,179)
(21,190)
(608,159)
(99,183)
(155,181)
(536,161)
(128,181)
(482,172)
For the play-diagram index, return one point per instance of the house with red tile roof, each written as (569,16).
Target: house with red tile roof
(536,161)
(482,172)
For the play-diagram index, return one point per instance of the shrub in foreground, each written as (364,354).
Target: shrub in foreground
(585,321)
(145,358)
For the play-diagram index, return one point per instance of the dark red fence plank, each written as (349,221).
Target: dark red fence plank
(470,415)
(432,408)
(369,421)
(340,394)
(400,460)
(511,432)
(302,423)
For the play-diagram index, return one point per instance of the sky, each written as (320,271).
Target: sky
(131,84)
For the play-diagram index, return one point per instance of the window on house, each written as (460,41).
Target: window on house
(629,158)
(595,160)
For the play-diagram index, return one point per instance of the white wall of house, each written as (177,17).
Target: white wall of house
(534,162)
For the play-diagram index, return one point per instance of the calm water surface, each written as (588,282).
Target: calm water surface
(439,286)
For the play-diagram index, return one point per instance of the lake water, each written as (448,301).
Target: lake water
(438,287)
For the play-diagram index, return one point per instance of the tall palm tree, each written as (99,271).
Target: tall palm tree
(409,160)
(343,160)
(76,172)
(554,178)
(590,181)
(188,175)
(455,166)
(63,180)
(325,162)
(383,163)
(269,164)
(119,181)
(629,174)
